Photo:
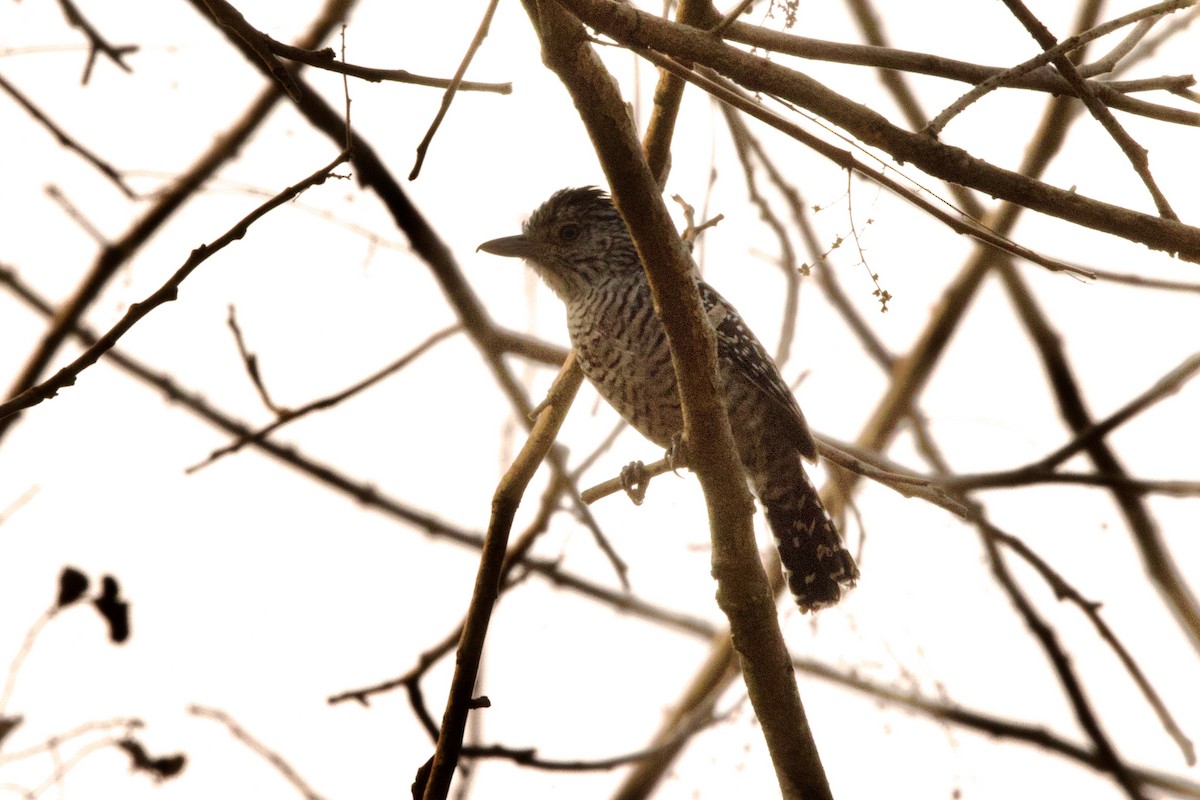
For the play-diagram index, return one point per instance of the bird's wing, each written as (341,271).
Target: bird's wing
(737,344)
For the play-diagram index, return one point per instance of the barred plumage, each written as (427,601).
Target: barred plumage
(579,245)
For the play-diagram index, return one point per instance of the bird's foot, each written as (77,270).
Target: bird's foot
(635,481)
(676,455)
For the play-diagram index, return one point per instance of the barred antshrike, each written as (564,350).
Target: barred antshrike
(579,245)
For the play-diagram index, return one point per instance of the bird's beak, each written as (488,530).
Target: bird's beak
(513,246)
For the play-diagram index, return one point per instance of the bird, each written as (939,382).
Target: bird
(579,245)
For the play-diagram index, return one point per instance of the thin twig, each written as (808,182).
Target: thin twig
(123,725)
(451,90)
(637,29)
(1007,479)
(23,651)
(605,445)
(225,146)
(258,748)
(77,216)
(228,17)
(743,143)
(16,505)
(1109,759)
(1091,609)
(66,140)
(960,223)
(326,59)
(487,582)
(819,257)
(1163,388)
(893,62)
(1048,55)
(250,361)
(730,16)
(1109,61)
(166,293)
(97,44)
(288,415)
(1138,156)
(529,757)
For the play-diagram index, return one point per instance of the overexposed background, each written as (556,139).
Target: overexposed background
(260,592)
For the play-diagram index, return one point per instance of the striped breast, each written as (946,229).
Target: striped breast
(623,351)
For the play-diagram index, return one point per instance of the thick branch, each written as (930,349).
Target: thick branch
(743,591)
(632,27)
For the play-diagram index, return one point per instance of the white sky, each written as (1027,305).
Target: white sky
(256,591)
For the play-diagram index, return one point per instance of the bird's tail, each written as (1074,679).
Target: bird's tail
(815,562)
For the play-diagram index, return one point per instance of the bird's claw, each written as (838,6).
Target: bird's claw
(676,454)
(635,481)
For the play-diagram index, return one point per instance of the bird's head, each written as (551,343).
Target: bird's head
(574,241)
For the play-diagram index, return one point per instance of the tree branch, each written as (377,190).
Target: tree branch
(632,27)
(743,592)
(487,582)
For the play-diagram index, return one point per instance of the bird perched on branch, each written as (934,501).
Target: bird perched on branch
(579,245)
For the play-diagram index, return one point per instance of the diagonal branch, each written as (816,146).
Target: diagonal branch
(452,89)
(892,62)
(1156,556)
(1084,714)
(493,342)
(1058,50)
(108,263)
(1136,154)
(326,59)
(286,416)
(487,582)
(720,89)
(166,293)
(97,44)
(1164,387)
(632,27)
(65,139)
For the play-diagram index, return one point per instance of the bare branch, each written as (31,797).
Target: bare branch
(1051,53)
(635,28)
(452,89)
(166,293)
(97,44)
(288,415)
(962,224)
(258,748)
(326,59)
(225,146)
(1136,154)
(67,141)
(487,582)
(1084,713)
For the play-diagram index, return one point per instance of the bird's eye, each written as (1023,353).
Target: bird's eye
(569,232)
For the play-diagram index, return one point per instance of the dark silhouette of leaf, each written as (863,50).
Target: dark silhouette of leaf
(9,724)
(114,610)
(72,584)
(159,768)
